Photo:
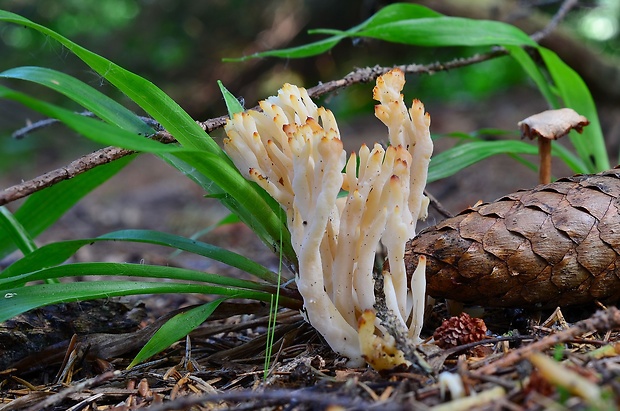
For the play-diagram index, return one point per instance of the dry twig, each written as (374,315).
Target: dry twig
(601,321)
(62,395)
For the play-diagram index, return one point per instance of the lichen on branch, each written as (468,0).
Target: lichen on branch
(293,150)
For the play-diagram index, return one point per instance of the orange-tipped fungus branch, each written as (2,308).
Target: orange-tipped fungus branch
(293,150)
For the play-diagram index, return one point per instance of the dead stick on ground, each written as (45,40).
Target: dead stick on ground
(601,321)
(257,398)
(62,395)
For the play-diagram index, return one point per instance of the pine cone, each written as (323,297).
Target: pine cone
(555,245)
(460,330)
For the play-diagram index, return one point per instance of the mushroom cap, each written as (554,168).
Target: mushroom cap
(552,124)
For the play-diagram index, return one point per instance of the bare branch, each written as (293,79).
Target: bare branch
(557,18)
(76,167)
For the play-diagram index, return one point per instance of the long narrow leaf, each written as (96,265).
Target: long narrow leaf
(19,300)
(131,270)
(390,13)
(448,31)
(83,94)
(91,128)
(56,253)
(193,246)
(453,160)
(174,329)
(16,232)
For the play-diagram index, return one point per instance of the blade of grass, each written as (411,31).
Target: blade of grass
(128,269)
(56,253)
(16,232)
(451,161)
(197,247)
(91,128)
(448,31)
(393,12)
(174,329)
(19,300)
(91,99)
(273,316)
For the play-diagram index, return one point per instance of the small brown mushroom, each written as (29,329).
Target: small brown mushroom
(550,125)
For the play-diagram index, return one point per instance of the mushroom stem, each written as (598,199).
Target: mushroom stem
(544,150)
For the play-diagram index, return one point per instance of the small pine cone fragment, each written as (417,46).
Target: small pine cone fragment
(555,245)
(460,330)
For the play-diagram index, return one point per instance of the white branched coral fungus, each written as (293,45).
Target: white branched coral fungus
(293,150)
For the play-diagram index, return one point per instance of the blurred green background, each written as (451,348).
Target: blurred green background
(179,44)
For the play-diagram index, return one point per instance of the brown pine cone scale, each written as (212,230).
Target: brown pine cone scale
(555,245)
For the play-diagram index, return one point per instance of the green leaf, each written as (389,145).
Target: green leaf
(91,128)
(391,13)
(448,31)
(398,11)
(232,104)
(130,270)
(56,253)
(19,300)
(16,232)
(83,94)
(45,207)
(193,246)
(590,145)
(453,160)
(174,329)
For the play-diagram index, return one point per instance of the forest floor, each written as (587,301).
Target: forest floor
(74,356)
